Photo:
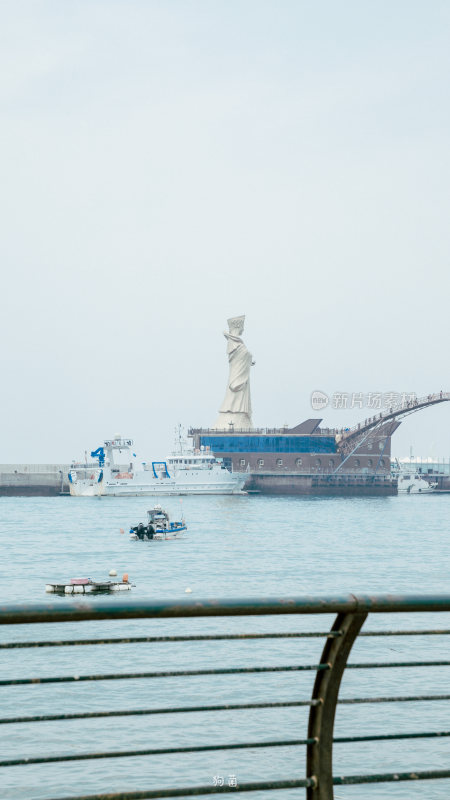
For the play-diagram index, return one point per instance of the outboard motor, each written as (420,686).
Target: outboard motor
(140,530)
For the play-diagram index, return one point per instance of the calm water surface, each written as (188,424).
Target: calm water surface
(236,546)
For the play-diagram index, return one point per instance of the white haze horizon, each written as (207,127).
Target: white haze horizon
(166,166)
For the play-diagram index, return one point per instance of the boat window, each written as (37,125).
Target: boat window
(298,462)
(382,462)
(370,462)
(318,462)
(279,462)
(242,462)
(331,462)
(260,462)
(357,462)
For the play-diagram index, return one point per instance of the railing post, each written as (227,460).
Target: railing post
(319,756)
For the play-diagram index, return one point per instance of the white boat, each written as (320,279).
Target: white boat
(410,481)
(117,473)
(413,483)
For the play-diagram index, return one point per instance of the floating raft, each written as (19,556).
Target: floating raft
(88,586)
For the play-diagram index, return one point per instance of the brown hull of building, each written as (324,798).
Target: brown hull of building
(344,485)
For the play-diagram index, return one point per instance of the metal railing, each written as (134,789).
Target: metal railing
(398,409)
(232,430)
(318,739)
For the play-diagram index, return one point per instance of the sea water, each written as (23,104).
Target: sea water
(243,546)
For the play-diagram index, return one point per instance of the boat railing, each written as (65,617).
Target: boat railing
(286,431)
(84,465)
(372,711)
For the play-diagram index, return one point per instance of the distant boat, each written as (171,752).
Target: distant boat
(410,481)
(186,471)
(413,483)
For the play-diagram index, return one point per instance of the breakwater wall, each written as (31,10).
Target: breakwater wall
(38,480)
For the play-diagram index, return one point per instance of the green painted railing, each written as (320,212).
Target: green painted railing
(318,739)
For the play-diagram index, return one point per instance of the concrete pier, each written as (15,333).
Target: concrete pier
(38,480)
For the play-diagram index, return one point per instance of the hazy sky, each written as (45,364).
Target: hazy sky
(166,165)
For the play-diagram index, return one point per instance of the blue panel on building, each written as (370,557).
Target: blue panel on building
(269,444)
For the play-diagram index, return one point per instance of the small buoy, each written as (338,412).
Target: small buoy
(113,573)
(122,530)
(125,577)
(188,590)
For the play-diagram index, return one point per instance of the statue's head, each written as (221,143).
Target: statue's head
(236,324)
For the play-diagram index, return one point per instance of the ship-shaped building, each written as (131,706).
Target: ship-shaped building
(308,458)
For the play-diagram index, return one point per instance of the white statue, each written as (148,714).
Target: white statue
(236,409)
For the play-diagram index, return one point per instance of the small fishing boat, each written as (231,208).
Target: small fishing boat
(88,586)
(158,526)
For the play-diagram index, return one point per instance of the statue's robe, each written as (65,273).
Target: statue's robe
(237,397)
(236,408)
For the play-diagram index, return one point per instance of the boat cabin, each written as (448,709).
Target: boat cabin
(158,518)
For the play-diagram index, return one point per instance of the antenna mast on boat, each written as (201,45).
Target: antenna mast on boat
(178,437)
